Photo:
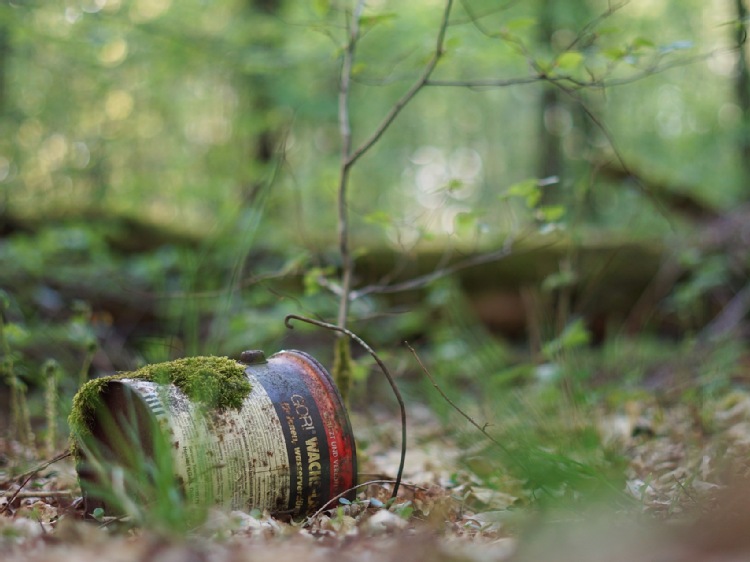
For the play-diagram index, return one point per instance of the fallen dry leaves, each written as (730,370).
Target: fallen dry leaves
(686,468)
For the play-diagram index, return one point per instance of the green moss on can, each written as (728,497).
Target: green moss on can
(217,382)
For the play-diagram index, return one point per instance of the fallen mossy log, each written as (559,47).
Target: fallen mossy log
(123,232)
(604,279)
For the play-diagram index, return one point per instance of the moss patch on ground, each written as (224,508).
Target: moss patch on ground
(217,382)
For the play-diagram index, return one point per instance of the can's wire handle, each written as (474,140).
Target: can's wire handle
(386,372)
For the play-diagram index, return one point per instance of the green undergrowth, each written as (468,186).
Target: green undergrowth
(563,419)
(218,382)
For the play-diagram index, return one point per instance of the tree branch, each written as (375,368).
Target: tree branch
(349,157)
(574,83)
(426,279)
(658,204)
(410,93)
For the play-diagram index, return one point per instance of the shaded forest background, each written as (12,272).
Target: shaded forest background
(563,203)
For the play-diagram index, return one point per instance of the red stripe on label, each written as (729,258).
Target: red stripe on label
(341,447)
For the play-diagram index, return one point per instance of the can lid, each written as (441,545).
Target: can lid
(253,357)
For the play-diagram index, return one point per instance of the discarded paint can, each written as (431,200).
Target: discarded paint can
(289,448)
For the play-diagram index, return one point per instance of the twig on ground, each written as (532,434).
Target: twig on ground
(386,372)
(43,494)
(729,318)
(362,485)
(29,475)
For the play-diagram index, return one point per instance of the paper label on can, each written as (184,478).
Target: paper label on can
(234,458)
(288,448)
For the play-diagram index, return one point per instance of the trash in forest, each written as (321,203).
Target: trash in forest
(278,437)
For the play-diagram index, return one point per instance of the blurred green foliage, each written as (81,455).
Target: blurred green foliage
(168,177)
(159,111)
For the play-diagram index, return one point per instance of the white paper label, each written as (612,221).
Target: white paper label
(234,458)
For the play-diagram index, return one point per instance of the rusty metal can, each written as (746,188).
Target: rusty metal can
(289,448)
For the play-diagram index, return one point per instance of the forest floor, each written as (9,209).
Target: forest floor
(684,476)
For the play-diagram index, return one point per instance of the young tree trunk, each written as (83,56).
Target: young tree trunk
(5,53)
(742,90)
(256,100)
(5,126)
(550,153)
(566,133)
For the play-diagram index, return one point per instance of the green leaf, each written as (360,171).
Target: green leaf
(379,217)
(454,185)
(452,43)
(426,235)
(520,24)
(642,42)
(466,223)
(98,514)
(533,198)
(569,60)
(559,280)
(574,335)
(523,188)
(16,333)
(607,30)
(360,371)
(469,223)
(358,68)
(544,64)
(321,7)
(552,213)
(403,510)
(369,21)
(615,53)
(310,280)
(528,190)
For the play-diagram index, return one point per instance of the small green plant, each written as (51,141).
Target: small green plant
(403,510)
(83,375)
(51,374)
(20,417)
(98,514)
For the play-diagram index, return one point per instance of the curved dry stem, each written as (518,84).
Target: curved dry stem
(386,372)
(481,428)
